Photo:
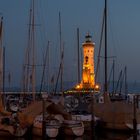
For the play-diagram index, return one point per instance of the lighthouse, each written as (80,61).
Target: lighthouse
(88,75)
(80,95)
(87,83)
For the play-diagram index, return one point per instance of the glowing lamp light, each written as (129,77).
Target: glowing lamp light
(78,86)
(97,86)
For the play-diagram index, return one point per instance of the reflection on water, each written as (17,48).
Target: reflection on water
(11,138)
(105,135)
(110,135)
(134,138)
(61,138)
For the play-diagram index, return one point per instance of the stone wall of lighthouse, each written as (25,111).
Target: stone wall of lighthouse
(88,75)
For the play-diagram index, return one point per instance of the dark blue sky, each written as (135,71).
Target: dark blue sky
(123,33)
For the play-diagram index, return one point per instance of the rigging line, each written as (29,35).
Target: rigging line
(110,74)
(43,19)
(27,57)
(30,65)
(59,72)
(100,45)
(120,75)
(48,62)
(61,53)
(30,44)
(57,78)
(33,50)
(126,86)
(121,81)
(105,33)
(44,66)
(115,41)
(113,80)
(3,77)
(42,30)
(107,57)
(60,34)
(62,67)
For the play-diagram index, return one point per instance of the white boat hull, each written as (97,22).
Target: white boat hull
(131,126)
(75,128)
(52,129)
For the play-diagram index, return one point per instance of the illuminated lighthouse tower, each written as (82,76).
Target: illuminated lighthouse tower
(88,76)
(87,84)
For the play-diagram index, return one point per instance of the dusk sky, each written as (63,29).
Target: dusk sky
(123,33)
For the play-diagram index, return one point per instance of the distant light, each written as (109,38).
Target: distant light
(78,86)
(97,87)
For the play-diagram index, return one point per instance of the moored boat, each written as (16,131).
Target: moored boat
(73,127)
(52,127)
(9,125)
(86,119)
(117,115)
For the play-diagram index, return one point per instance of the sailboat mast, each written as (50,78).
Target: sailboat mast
(1,31)
(61,54)
(48,67)
(2,60)
(33,53)
(78,60)
(113,76)
(126,88)
(44,68)
(1,56)
(105,86)
(3,69)
(26,69)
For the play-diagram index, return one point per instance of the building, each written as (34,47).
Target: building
(87,83)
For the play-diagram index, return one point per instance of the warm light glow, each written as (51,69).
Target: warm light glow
(88,77)
(78,86)
(97,86)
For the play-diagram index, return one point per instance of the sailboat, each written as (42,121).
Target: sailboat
(9,124)
(119,115)
(80,96)
(52,126)
(69,125)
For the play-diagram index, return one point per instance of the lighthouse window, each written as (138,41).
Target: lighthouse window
(86,58)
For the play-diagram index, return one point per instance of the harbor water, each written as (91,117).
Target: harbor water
(104,135)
